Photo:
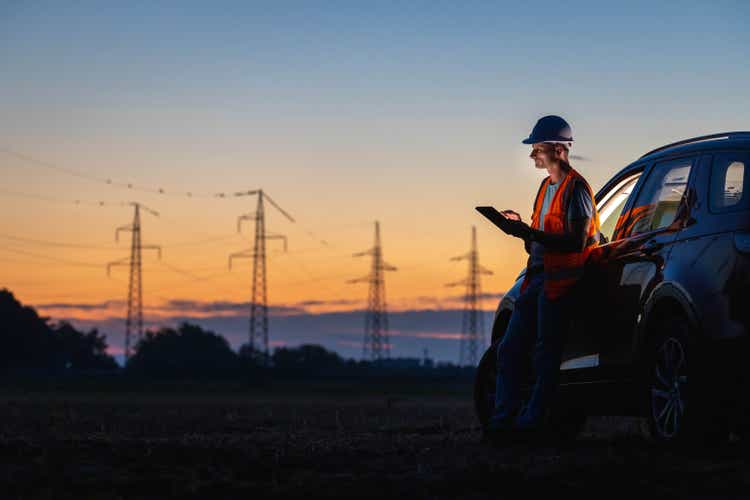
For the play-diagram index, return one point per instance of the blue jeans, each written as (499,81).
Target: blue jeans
(544,323)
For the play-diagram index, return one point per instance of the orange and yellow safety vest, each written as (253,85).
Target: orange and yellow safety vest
(563,269)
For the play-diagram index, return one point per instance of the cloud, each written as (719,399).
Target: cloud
(170,308)
(352,344)
(411,331)
(222,306)
(451,301)
(425,322)
(428,335)
(200,308)
(83,306)
(197,307)
(338,302)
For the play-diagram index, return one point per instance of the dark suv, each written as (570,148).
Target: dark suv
(663,316)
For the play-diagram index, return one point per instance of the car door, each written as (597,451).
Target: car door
(582,345)
(631,265)
(711,258)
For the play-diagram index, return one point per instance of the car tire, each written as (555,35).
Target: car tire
(681,407)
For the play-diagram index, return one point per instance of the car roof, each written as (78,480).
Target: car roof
(702,143)
(713,142)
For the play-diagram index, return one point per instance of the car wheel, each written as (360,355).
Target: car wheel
(681,408)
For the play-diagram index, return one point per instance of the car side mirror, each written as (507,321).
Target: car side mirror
(688,222)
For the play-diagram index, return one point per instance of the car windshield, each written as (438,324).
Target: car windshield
(612,203)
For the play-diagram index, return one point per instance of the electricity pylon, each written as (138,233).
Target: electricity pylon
(259,298)
(472,328)
(376,345)
(134,321)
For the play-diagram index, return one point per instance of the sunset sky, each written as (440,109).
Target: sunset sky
(345,113)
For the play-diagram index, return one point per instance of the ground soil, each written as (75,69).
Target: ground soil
(374,444)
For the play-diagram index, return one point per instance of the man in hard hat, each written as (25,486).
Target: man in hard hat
(564,229)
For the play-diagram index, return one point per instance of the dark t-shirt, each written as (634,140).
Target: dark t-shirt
(580,207)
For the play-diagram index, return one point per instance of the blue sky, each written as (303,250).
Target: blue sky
(344,62)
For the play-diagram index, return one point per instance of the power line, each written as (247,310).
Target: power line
(33,161)
(49,257)
(57,243)
(22,239)
(187,274)
(155,293)
(64,201)
(294,257)
(30,160)
(203,241)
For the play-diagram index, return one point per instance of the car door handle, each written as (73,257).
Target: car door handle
(651,246)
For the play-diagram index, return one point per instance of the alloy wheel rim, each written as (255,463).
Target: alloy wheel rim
(668,388)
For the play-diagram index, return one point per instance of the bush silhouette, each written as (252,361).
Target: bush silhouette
(308,359)
(188,352)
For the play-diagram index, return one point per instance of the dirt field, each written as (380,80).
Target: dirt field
(386,445)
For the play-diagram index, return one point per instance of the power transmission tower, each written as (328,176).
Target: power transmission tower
(134,321)
(376,345)
(259,298)
(472,328)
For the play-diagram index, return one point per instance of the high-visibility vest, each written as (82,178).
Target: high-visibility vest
(563,269)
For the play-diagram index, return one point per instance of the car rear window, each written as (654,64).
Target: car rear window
(729,182)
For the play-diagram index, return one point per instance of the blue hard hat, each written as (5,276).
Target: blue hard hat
(550,128)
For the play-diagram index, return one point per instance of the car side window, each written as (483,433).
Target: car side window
(612,204)
(729,182)
(660,200)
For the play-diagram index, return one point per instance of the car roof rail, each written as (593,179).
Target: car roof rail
(723,135)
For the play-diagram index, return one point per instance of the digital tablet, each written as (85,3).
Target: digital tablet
(496,218)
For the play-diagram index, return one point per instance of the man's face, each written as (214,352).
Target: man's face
(543,154)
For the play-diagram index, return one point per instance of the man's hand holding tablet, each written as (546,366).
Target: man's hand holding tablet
(510,214)
(508,221)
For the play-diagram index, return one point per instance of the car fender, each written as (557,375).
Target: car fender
(677,296)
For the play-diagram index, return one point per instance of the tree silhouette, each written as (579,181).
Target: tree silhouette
(188,352)
(25,336)
(82,351)
(310,359)
(250,357)
(32,346)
